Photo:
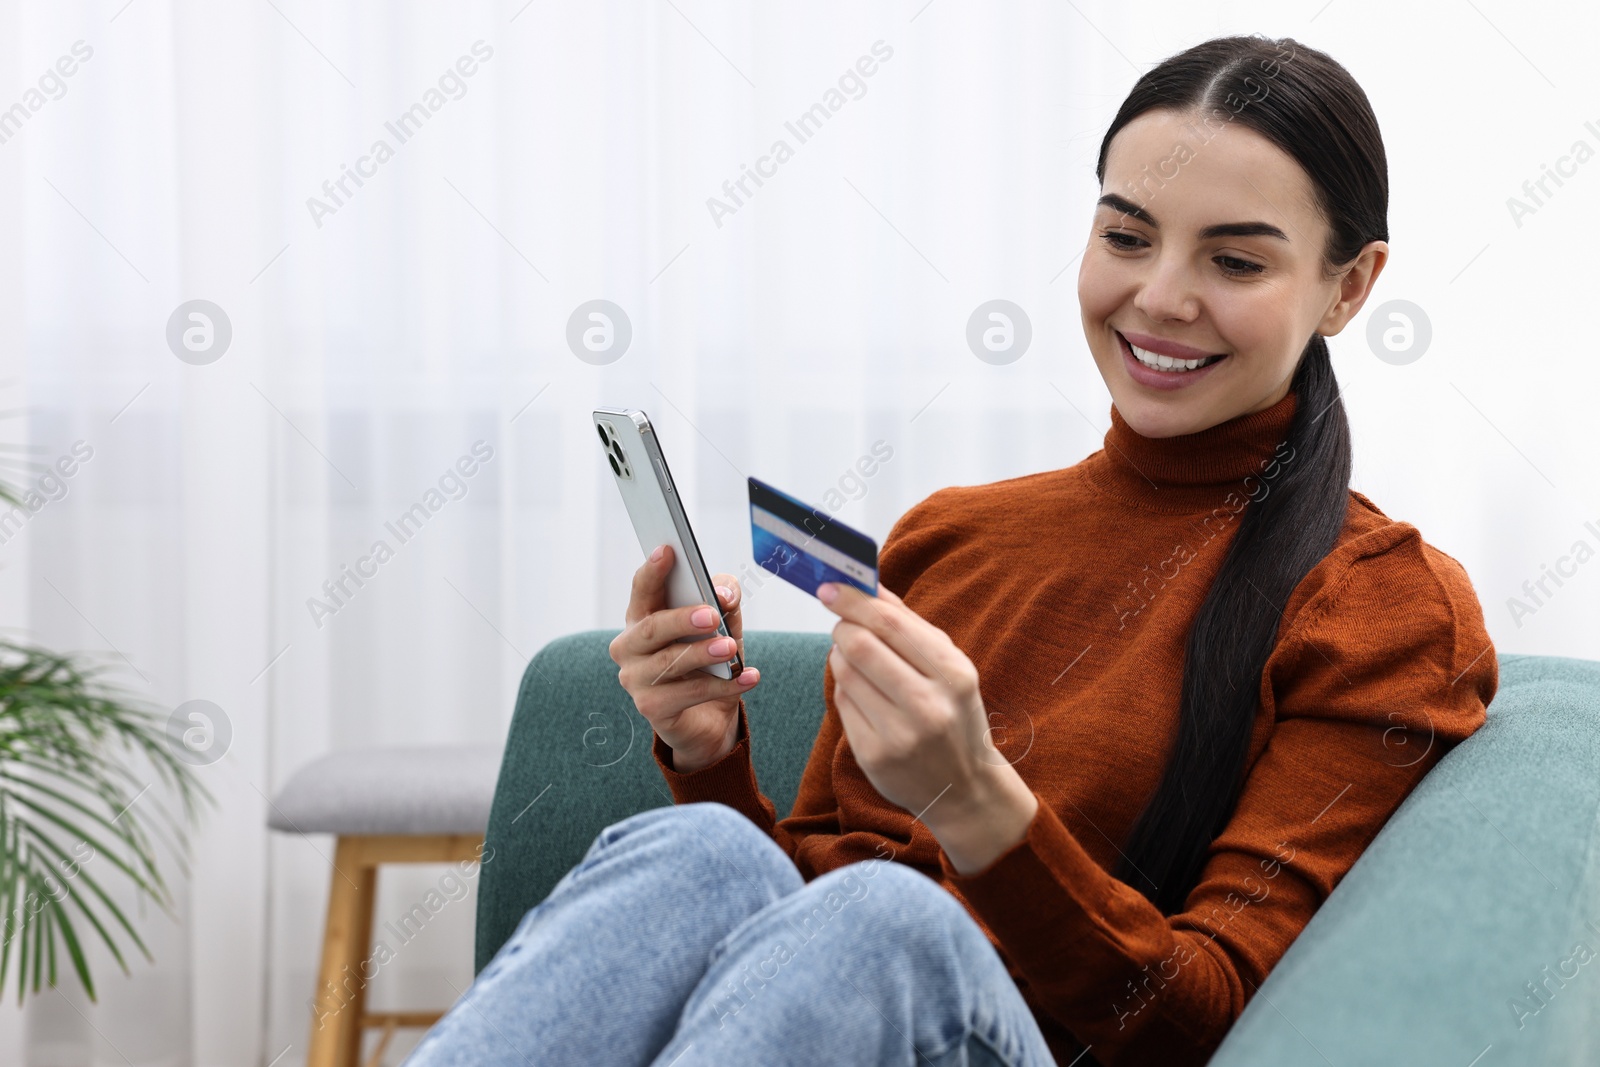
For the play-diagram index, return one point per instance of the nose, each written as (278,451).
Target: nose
(1168,291)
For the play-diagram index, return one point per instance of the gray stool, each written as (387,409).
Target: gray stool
(385,805)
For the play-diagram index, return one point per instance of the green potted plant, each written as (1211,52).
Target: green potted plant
(86,771)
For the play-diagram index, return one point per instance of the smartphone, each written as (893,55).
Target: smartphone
(640,467)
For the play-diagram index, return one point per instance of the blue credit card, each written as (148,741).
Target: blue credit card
(805,546)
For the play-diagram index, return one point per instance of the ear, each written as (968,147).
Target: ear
(1355,285)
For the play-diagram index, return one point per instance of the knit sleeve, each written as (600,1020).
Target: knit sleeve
(1379,673)
(731,780)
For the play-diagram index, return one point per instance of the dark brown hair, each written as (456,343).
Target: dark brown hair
(1308,105)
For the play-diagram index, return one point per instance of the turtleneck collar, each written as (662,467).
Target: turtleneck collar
(1192,471)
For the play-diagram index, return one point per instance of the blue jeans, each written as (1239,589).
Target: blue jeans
(687,937)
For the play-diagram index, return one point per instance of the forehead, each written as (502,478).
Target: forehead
(1190,175)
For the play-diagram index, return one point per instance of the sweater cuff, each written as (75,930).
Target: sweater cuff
(731,780)
(1042,895)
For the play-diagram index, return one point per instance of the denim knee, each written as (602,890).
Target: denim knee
(876,940)
(701,821)
(709,852)
(900,907)
(708,837)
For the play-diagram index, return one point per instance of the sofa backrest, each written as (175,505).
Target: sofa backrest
(577,759)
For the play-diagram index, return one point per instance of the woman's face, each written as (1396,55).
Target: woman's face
(1208,242)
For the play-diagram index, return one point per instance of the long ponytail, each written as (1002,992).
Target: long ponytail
(1307,104)
(1281,536)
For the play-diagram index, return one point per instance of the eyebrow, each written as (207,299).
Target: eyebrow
(1221,229)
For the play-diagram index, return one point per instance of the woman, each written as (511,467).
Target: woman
(1108,735)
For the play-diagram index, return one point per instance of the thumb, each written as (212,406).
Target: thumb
(730,600)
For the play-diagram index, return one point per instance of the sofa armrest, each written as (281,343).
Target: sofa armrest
(1473,919)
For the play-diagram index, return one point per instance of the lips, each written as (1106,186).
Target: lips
(1165,379)
(1164,347)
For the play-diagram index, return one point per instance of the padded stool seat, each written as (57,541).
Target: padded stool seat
(385,805)
(420,790)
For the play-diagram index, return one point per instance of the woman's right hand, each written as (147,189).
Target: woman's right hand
(695,713)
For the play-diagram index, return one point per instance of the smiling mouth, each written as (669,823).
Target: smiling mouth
(1158,362)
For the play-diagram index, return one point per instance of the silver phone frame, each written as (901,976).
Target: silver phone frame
(662,479)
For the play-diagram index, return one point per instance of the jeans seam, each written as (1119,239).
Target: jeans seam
(721,946)
(1004,1057)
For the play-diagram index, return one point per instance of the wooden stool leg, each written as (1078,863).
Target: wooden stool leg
(341,1000)
(376,1059)
(347,936)
(358,946)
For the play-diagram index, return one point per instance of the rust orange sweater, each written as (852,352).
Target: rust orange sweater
(1072,591)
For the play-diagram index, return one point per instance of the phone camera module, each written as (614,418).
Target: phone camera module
(613,449)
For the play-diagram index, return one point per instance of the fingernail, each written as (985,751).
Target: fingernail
(827,592)
(724,592)
(722,646)
(703,617)
(749,676)
(656,554)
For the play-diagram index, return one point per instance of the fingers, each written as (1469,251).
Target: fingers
(673,694)
(659,629)
(869,701)
(730,598)
(920,643)
(875,669)
(857,726)
(648,648)
(649,591)
(678,659)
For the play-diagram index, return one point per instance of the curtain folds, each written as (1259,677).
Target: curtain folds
(270,270)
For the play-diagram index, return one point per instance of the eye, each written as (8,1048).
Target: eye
(1122,242)
(1235,265)
(1231,265)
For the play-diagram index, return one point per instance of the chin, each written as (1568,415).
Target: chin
(1154,417)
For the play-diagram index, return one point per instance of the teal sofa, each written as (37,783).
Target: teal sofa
(1467,934)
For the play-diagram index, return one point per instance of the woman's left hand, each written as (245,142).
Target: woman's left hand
(911,709)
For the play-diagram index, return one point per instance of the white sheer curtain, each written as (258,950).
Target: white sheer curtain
(383,331)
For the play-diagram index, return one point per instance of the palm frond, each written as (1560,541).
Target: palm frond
(82,767)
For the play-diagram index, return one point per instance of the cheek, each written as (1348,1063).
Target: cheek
(1103,286)
(1258,320)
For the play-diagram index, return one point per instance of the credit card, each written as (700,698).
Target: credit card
(805,546)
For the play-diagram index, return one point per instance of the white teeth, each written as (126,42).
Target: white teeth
(1160,362)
